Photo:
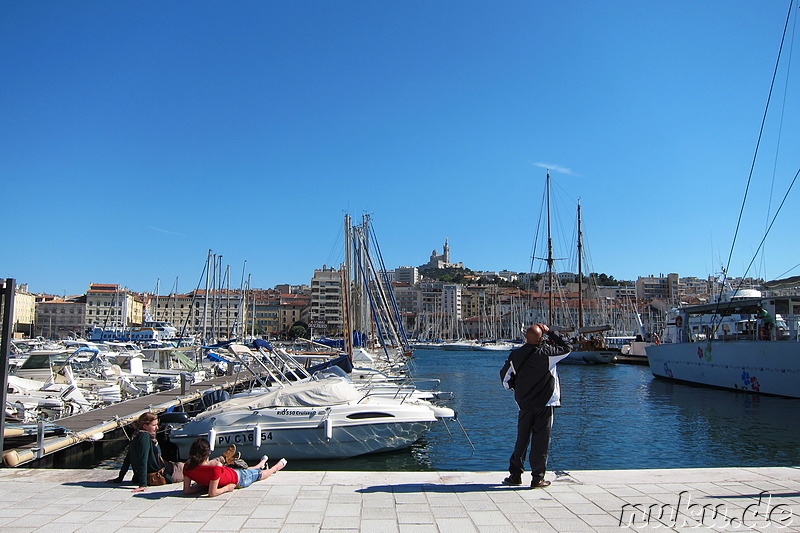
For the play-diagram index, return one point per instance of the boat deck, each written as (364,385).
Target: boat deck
(121,414)
(153,401)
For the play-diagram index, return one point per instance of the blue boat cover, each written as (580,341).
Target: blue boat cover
(343,362)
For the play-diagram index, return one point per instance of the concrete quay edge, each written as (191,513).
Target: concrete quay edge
(721,499)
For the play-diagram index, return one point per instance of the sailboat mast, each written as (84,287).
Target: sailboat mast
(580,270)
(154,302)
(228,301)
(174,300)
(347,317)
(205,302)
(550,296)
(253,309)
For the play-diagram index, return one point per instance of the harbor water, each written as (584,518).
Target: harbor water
(612,417)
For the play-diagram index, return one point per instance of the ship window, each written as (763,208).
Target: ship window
(358,416)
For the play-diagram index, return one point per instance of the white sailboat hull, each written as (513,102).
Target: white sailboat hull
(459,346)
(766,367)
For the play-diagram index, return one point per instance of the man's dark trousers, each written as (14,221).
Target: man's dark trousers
(533,426)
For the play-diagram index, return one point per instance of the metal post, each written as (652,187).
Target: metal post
(40,439)
(5,349)
(184,383)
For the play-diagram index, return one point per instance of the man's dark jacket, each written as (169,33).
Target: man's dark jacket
(533,368)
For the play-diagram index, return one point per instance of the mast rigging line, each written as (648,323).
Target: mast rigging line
(360,266)
(760,245)
(780,128)
(191,304)
(766,233)
(758,144)
(538,231)
(391,296)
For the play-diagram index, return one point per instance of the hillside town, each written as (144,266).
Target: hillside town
(480,305)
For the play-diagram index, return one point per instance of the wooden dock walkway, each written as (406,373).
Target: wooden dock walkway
(93,424)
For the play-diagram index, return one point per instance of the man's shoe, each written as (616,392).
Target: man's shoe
(514,480)
(539,483)
(229,454)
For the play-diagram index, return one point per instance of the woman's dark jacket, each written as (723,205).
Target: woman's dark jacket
(144,456)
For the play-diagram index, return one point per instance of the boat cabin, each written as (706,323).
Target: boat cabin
(766,319)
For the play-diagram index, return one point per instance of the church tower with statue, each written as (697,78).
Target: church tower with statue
(441,260)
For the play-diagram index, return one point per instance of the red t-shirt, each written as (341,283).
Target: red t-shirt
(203,474)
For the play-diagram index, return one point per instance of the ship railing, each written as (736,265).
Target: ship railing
(401,393)
(282,363)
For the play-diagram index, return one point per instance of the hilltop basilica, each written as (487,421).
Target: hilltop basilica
(441,261)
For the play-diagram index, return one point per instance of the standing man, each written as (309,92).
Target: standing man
(531,372)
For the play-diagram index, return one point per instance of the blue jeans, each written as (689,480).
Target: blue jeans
(248,477)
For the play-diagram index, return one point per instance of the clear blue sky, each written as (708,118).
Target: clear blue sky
(136,136)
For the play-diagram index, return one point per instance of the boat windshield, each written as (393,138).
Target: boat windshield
(44,360)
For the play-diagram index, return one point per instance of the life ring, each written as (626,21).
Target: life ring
(679,321)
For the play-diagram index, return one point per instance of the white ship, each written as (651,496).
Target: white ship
(744,342)
(150,330)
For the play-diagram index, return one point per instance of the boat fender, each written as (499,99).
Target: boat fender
(11,458)
(679,321)
(212,438)
(257,436)
(328,428)
(443,412)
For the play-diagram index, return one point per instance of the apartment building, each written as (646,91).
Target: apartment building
(667,288)
(294,308)
(326,299)
(222,315)
(695,286)
(59,318)
(622,292)
(173,308)
(109,305)
(406,274)
(229,314)
(262,312)
(473,301)
(23,315)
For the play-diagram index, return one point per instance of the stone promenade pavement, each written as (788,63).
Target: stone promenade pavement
(729,499)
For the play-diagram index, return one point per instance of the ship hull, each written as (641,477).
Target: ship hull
(764,367)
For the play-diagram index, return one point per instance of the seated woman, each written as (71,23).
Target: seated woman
(144,455)
(220,479)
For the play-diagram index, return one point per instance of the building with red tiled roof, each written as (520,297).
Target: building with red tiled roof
(111,305)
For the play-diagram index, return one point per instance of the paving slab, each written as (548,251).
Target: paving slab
(719,499)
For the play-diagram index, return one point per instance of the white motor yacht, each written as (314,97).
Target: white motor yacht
(299,416)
